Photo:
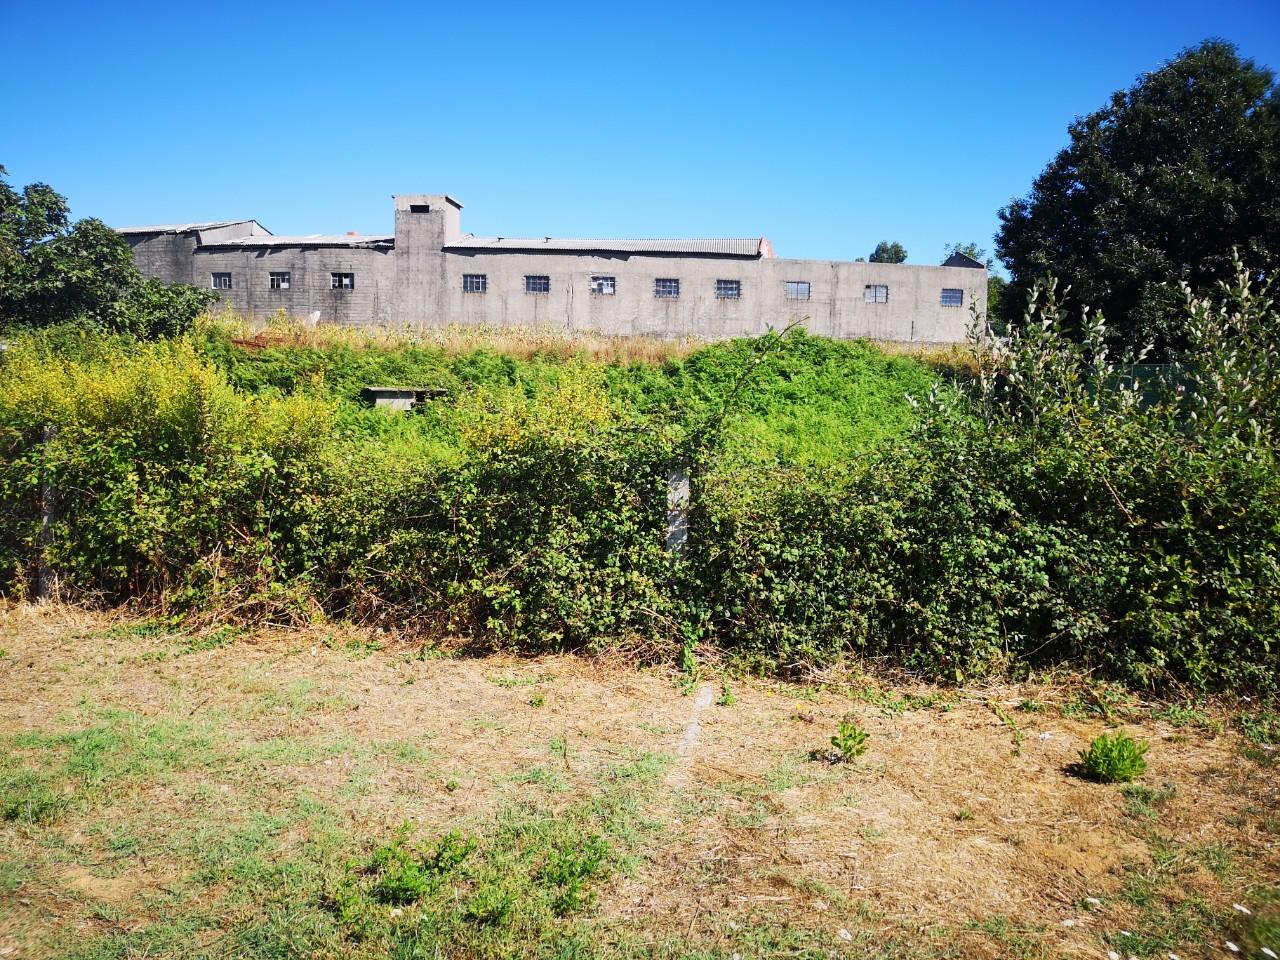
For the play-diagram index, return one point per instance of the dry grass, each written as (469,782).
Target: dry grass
(281,330)
(960,833)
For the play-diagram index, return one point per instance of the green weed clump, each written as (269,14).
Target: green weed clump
(404,873)
(26,798)
(849,741)
(1114,758)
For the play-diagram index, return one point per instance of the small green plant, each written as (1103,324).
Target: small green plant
(1147,802)
(1114,758)
(570,869)
(406,874)
(1263,728)
(850,740)
(726,699)
(690,672)
(538,700)
(1187,715)
(1009,722)
(26,798)
(963,815)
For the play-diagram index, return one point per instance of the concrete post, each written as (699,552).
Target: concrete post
(48,517)
(677,510)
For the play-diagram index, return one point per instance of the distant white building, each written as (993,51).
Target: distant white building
(430,274)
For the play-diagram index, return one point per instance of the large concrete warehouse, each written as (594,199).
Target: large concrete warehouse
(431,274)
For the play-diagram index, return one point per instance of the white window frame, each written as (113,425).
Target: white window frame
(280,279)
(875,293)
(342,280)
(791,289)
(957,297)
(537,284)
(666,288)
(602,286)
(475,283)
(216,278)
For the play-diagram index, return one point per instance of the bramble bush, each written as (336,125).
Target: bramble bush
(1060,505)
(1055,509)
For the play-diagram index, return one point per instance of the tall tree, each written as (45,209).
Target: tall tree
(53,270)
(889,251)
(1158,186)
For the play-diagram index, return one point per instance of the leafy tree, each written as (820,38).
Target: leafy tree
(1156,188)
(889,251)
(55,271)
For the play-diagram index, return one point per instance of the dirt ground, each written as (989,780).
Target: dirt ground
(962,831)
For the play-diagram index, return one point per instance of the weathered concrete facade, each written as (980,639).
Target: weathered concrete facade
(430,274)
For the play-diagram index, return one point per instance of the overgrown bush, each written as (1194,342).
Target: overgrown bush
(1056,509)
(1059,506)
(1114,758)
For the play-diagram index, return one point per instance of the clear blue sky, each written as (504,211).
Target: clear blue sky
(826,127)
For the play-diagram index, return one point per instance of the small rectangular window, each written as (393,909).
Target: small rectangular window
(537,284)
(475,282)
(604,286)
(666,288)
(952,297)
(419,208)
(221,281)
(728,289)
(342,281)
(797,289)
(280,279)
(875,293)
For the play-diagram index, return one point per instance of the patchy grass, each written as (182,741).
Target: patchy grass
(294,794)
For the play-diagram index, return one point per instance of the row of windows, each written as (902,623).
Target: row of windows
(668,288)
(664,288)
(283,280)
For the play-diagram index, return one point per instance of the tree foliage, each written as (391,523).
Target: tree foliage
(889,251)
(1155,189)
(55,271)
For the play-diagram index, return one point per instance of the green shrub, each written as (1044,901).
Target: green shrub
(1114,758)
(850,740)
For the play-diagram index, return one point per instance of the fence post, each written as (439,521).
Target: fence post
(677,509)
(48,517)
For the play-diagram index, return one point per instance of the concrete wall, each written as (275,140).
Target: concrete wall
(419,284)
(166,256)
(836,306)
(372,302)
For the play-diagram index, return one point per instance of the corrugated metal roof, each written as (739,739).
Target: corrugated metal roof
(739,247)
(182,227)
(314,240)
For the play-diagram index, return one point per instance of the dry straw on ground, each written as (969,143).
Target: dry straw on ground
(958,823)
